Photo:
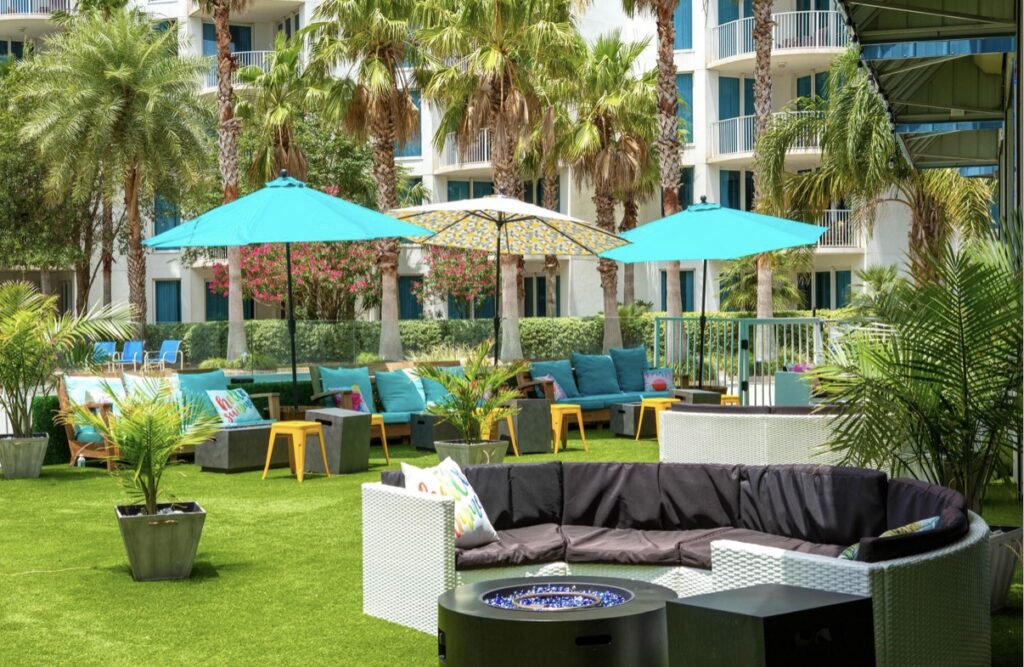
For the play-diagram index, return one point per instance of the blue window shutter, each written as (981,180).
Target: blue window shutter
(728,97)
(748,97)
(821,84)
(541,309)
(823,289)
(18,50)
(414,146)
(729,188)
(165,215)
(686,287)
(558,296)
(485,309)
(168,300)
(482,188)
(684,85)
(748,8)
(216,306)
(453,309)
(528,290)
(209,40)
(241,38)
(686,187)
(803,86)
(664,290)
(458,190)
(409,308)
(683,20)
(843,280)
(728,10)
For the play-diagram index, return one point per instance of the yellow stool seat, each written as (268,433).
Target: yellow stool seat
(296,432)
(657,405)
(560,412)
(378,421)
(510,425)
(730,399)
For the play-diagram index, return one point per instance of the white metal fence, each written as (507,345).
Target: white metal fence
(792,30)
(736,135)
(35,6)
(479,150)
(259,59)
(842,233)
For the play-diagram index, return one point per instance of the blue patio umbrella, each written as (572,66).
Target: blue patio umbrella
(285,211)
(711,232)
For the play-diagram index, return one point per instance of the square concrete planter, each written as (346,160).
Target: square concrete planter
(161,546)
(346,439)
(473,453)
(22,458)
(532,424)
(425,429)
(1004,544)
(623,418)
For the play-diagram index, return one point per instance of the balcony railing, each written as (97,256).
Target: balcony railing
(259,59)
(792,30)
(842,233)
(8,7)
(478,151)
(736,135)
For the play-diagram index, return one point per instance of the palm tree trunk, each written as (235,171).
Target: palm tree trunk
(551,264)
(508,183)
(762,115)
(227,134)
(927,235)
(630,215)
(136,253)
(609,270)
(387,249)
(83,265)
(107,249)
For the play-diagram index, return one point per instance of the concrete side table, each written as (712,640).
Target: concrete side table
(426,429)
(239,449)
(346,437)
(532,424)
(622,420)
(699,396)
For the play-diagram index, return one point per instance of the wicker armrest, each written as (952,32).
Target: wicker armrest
(408,554)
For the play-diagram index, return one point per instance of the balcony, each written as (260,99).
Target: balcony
(733,139)
(477,157)
(259,59)
(805,39)
(31,19)
(842,233)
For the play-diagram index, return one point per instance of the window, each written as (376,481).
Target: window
(728,97)
(686,187)
(12,49)
(822,289)
(820,85)
(241,39)
(729,188)
(729,10)
(748,191)
(748,97)
(409,307)
(458,190)
(482,189)
(536,300)
(684,86)
(217,306)
(414,146)
(843,280)
(165,215)
(683,21)
(168,301)
(533,192)
(685,289)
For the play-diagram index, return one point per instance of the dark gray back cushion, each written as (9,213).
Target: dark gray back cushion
(392,478)
(611,495)
(699,496)
(953,524)
(491,484)
(912,500)
(819,504)
(536,490)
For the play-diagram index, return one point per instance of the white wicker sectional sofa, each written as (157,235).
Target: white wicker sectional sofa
(930,595)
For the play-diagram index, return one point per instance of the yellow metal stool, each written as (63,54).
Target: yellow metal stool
(511,432)
(296,432)
(560,423)
(658,405)
(378,421)
(730,399)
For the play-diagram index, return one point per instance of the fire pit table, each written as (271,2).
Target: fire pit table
(563,621)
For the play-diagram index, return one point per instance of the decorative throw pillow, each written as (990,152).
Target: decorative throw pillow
(851,552)
(595,374)
(359,404)
(630,364)
(234,406)
(434,392)
(559,392)
(398,392)
(560,370)
(416,382)
(472,527)
(658,379)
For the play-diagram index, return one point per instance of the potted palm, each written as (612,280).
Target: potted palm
(149,425)
(479,397)
(35,340)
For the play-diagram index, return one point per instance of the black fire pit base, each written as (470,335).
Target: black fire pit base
(472,632)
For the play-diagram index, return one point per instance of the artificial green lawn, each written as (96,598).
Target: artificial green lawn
(276,581)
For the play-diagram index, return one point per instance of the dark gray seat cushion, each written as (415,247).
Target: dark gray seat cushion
(536,490)
(587,544)
(542,543)
(611,495)
(819,504)
(699,496)
(696,552)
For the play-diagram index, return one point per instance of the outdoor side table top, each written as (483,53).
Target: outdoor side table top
(346,439)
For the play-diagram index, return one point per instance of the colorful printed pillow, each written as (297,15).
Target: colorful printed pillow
(851,552)
(234,406)
(359,404)
(559,392)
(658,379)
(472,527)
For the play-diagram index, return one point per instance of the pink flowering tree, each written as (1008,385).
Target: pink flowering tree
(465,275)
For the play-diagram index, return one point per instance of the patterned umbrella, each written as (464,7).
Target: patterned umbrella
(506,225)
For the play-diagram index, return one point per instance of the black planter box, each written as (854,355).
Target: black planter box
(346,439)
(623,417)
(426,429)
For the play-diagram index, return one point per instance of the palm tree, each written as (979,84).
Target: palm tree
(227,160)
(741,283)
(614,114)
(112,96)
(639,190)
(376,38)
(763,24)
(492,55)
(861,161)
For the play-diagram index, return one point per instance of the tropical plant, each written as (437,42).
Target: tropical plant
(110,99)
(491,56)
(762,34)
(877,283)
(377,40)
(636,191)
(36,339)
(148,425)
(940,397)
(861,162)
(464,276)
(741,282)
(480,395)
(609,144)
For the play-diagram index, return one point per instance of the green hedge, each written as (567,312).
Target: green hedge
(44,409)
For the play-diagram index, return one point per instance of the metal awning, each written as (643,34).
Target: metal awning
(941,66)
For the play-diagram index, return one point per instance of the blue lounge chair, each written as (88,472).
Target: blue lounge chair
(168,355)
(133,354)
(104,351)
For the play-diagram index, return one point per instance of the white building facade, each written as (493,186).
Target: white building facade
(714,60)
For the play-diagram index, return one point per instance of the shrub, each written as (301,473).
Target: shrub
(44,411)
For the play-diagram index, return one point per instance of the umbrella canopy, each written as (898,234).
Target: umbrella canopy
(285,211)
(711,232)
(508,225)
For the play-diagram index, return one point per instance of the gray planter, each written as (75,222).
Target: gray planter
(1002,543)
(161,546)
(22,457)
(487,451)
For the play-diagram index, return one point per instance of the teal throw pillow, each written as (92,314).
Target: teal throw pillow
(434,392)
(346,378)
(398,392)
(595,374)
(194,386)
(561,371)
(630,364)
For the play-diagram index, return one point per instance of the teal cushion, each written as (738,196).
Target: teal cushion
(630,364)
(561,371)
(595,374)
(396,417)
(194,386)
(398,393)
(87,434)
(346,378)
(601,401)
(654,394)
(435,391)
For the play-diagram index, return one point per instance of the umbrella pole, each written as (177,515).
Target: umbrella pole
(497,296)
(291,325)
(703,322)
